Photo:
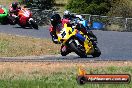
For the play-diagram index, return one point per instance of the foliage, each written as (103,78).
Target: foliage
(97,7)
(40,4)
(122,8)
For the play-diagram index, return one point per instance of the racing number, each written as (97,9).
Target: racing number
(70,32)
(63,34)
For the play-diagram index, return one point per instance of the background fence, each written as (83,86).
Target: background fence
(110,23)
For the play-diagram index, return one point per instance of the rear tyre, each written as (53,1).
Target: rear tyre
(34,25)
(11,20)
(78,50)
(97,52)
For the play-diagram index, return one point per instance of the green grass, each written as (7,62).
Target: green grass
(3,45)
(65,79)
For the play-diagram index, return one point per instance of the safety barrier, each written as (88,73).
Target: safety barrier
(110,23)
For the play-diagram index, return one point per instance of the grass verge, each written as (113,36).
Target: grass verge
(58,75)
(12,46)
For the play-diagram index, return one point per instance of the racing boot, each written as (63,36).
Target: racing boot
(54,38)
(87,32)
(16,18)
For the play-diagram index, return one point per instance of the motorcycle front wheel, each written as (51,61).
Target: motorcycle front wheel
(97,52)
(34,25)
(77,50)
(65,51)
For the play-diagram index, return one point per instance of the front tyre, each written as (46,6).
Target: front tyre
(64,53)
(79,51)
(97,52)
(65,50)
(33,24)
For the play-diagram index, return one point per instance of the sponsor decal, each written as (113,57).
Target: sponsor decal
(83,78)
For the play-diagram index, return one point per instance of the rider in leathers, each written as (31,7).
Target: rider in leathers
(67,18)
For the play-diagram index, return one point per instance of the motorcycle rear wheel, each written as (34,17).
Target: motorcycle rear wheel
(11,20)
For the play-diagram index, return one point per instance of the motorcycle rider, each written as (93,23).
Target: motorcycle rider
(79,25)
(55,20)
(85,30)
(14,9)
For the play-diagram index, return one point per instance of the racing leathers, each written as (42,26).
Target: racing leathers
(55,20)
(13,12)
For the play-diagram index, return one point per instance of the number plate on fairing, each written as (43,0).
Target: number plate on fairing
(62,33)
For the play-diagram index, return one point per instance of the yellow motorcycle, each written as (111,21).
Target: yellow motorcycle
(77,42)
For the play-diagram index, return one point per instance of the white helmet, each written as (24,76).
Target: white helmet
(67,12)
(79,16)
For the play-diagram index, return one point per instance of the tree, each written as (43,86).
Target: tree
(97,7)
(41,4)
(121,8)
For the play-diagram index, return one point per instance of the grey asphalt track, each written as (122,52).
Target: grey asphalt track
(17,30)
(113,45)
